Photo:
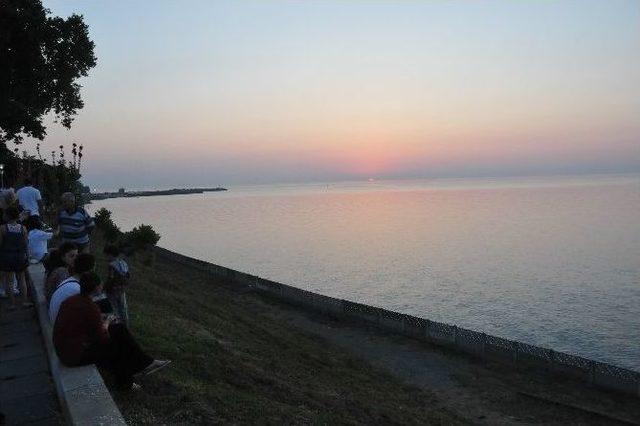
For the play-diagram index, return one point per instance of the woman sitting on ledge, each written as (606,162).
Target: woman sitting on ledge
(84,262)
(59,265)
(82,337)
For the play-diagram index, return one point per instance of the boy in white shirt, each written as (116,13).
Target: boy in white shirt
(37,239)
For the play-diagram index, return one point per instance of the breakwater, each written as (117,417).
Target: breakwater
(175,191)
(482,345)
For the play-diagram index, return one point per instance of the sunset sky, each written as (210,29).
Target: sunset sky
(190,93)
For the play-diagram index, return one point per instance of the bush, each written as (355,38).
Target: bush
(111,233)
(103,221)
(102,218)
(142,237)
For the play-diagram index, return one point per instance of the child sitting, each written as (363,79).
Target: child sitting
(37,239)
(117,279)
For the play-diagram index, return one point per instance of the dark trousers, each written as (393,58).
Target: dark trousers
(122,356)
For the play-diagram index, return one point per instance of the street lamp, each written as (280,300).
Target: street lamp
(1,175)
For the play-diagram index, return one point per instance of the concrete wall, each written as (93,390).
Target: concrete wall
(468,341)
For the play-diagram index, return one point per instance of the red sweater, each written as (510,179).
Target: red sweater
(78,326)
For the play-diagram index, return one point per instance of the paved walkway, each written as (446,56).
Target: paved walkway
(27,394)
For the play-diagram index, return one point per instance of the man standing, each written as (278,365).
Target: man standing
(30,199)
(74,223)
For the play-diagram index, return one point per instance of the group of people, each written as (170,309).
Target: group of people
(23,238)
(89,316)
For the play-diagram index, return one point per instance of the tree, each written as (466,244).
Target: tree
(41,59)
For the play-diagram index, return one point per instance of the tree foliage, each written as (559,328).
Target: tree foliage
(41,59)
(52,175)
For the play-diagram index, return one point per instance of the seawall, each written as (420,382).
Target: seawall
(513,353)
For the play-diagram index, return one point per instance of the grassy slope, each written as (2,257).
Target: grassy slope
(232,363)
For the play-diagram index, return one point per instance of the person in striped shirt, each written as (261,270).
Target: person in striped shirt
(74,223)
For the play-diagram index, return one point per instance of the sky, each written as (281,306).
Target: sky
(205,93)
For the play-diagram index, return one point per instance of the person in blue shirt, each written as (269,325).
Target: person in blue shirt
(74,223)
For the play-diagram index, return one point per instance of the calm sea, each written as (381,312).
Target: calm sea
(548,261)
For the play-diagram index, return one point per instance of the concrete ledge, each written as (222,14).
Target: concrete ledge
(83,396)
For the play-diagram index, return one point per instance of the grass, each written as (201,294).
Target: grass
(235,363)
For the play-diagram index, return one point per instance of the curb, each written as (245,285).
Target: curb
(83,396)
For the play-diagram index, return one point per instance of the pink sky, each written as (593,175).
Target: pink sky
(267,91)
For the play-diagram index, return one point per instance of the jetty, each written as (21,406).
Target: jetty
(122,193)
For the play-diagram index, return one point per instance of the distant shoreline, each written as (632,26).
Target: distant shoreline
(174,191)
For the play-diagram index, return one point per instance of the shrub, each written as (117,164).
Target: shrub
(102,218)
(111,232)
(103,221)
(142,237)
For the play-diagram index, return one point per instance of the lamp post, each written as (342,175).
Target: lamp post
(2,176)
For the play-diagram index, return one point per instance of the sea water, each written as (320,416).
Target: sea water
(548,261)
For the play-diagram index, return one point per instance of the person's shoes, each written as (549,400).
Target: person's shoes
(135,387)
(156,365)
(27,305)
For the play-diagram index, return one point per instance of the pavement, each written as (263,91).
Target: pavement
(27,392)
